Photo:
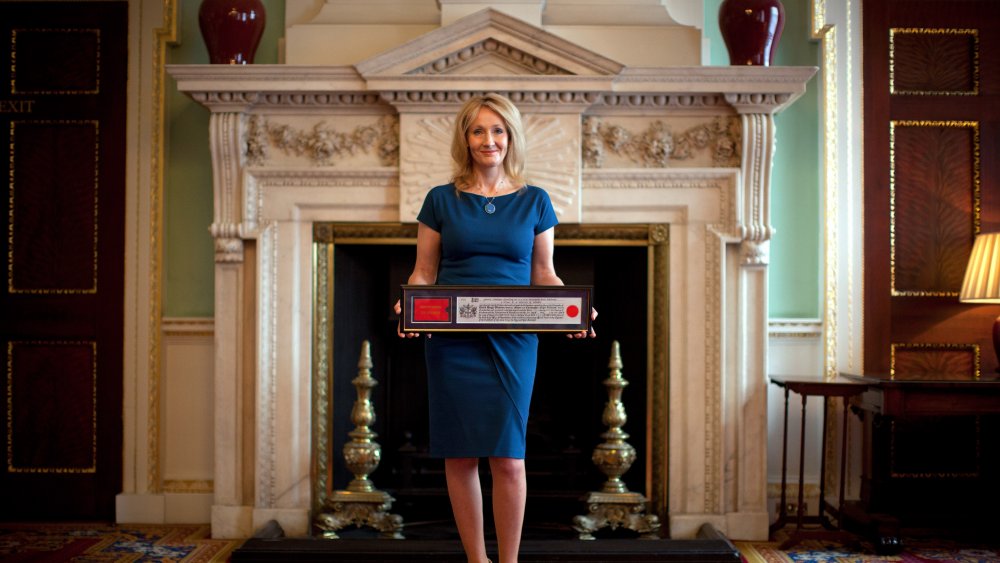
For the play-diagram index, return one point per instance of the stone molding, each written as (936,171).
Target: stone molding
(495,52)
(256,88)
(324,143)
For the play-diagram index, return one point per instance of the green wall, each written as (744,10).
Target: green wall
(795,271)
(189,261)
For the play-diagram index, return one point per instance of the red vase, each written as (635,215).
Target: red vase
(231,29)
(751,30)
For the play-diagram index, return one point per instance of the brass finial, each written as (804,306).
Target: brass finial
(361,504)
(362,454)
(615,456)
(614,505)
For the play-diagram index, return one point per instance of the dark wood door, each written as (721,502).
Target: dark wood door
(62,129)
(932,182)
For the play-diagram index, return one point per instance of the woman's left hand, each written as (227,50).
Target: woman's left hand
(584,333)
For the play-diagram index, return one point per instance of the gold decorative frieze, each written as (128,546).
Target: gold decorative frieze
(934,178)
(657,145)
(323,145)
(934,61)
(372,233)
(610,235)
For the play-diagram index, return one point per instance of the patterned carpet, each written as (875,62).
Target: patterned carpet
(916,550)
(86,543)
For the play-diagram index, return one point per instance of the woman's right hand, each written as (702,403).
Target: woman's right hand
(399,325)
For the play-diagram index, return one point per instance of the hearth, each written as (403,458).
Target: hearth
(358,272)
(443,546)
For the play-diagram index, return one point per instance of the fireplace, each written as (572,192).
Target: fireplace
(685,148)
(358,270)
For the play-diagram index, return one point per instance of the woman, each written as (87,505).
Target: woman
(488,227)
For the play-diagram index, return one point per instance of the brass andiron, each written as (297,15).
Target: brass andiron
(361,504)
(614,505)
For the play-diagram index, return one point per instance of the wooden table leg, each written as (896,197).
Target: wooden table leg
(782,518)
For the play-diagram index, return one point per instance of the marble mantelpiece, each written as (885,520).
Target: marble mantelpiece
(292,145)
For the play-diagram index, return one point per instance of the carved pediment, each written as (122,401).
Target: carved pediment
(489,43)
(490,57)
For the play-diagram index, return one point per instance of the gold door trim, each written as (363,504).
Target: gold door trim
(976,196)
(11,468)
(974,33)
(13,62)
(929,346)
(10,209)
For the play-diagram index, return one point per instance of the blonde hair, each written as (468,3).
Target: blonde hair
(513,163)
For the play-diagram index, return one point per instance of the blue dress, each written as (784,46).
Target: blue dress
(479,384)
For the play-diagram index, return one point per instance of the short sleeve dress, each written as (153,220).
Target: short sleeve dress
(479,384)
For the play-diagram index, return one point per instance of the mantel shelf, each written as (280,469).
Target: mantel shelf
(772,88)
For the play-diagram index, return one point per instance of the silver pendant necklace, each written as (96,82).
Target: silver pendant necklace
(489,208)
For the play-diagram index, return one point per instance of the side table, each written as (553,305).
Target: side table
(807,386)
(891,499)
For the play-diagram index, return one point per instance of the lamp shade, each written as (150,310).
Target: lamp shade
(982,275)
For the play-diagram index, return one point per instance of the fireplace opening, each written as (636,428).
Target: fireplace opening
(565,421)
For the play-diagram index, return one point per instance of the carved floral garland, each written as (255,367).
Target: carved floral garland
(322,144)
(657,145)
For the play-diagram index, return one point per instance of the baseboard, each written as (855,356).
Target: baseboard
(165,508)
(138,508)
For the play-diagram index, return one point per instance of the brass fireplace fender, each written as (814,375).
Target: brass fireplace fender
(326,235)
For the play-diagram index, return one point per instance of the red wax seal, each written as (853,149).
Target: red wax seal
(428,309)
(572,311)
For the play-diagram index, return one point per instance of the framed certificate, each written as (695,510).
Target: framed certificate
(496,308)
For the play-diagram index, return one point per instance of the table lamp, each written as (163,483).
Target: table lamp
(982,278)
